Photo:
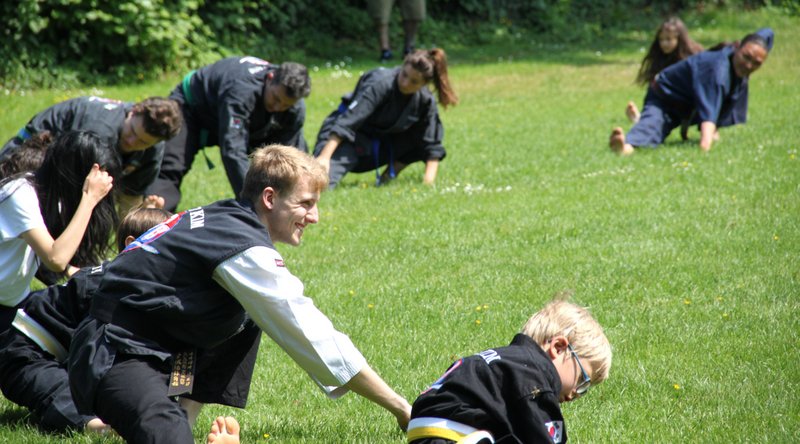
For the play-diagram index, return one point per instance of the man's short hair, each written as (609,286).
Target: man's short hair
(281,167)
(582,331)
(160,117)
(294,77)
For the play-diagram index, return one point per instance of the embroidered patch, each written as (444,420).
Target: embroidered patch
(236,122)
(279,263)
(181,379)
(353,104)
(555,429)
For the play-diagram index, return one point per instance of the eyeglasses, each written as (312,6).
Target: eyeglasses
(584,385)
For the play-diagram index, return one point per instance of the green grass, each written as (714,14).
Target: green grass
(689,260)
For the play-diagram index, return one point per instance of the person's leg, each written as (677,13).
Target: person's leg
(413,12)
(380,11)
(653,127)
(132,399)
(344,160)
(179,153)
(33,379)
(224,431)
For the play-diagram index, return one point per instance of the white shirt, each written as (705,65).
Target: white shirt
(274,299)
(19,212)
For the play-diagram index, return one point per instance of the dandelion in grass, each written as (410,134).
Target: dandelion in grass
(724,315)
(720,299)
(775,237)
(370,306)
(687,302)
(352,293)
(477,322)
(676,386)
(478,308)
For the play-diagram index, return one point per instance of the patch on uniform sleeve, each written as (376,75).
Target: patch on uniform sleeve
(279,263)
(353,104)
(555,429)
(236,123)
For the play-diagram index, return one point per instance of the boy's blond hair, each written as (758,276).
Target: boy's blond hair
(582,331)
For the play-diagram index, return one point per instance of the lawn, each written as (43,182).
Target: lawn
(690,260)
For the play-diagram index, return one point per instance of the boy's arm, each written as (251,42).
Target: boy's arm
(368,384)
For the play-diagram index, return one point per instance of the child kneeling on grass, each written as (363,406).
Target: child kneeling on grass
(512,394)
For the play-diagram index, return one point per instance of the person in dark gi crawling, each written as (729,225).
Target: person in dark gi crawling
(239,104)
(512,394)
(709,88)
(136,130)
(33,351)
(191,284)
(390,119)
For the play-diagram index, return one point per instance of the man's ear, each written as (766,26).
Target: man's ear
(268,197)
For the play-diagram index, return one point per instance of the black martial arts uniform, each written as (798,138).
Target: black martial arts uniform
(105,118)
(379,125)
(33,354)
(701,88)
(223,104)
(511,392)
(177,292)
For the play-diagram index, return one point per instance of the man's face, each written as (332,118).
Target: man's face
(276,100)
(288,215)
(748,58)
(133,136)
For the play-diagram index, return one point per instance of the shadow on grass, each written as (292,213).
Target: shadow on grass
(12,417)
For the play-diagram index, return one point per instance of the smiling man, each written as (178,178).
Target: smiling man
(239,104)
(135,129)
(193,284)
(709,89)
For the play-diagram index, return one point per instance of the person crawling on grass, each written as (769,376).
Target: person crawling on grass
(33,371)
(512,394)
(191,285)
(710,89)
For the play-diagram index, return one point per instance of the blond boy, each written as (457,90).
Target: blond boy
(512,394)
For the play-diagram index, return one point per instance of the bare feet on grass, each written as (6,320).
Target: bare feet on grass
(224,430)
(632,112)
(617,143)
(96,425)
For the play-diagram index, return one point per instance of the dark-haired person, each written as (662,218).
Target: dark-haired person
(711,88)
(239,104)
(189,285)
(390,119)
(59,216)
(133,130)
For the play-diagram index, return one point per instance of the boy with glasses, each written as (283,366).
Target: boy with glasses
(512,394)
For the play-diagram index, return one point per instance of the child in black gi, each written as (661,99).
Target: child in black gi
(512,394)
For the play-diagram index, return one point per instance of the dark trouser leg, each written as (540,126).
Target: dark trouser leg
(654,125)
(132,398)
(344,160)
(34,379)
(179,154)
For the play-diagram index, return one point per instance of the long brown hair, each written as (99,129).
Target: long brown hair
(655,60)
(432,64)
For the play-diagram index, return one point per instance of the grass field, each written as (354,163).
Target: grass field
(691,261)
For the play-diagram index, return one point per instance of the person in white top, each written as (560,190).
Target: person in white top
(60,215)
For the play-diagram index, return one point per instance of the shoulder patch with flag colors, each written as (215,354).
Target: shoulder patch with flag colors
(279,263)
(555,428)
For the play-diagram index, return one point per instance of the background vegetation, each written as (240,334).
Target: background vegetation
(62,43)
(689,260)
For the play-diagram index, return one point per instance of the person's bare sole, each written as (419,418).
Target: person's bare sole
(632,111)
(224,430)
(617,143)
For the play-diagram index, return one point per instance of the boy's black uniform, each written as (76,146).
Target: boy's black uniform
(223,104)
(511,392)
(104,117)
(379,125)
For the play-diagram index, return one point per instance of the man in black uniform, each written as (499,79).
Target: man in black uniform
(511,395)
(137,130)
(238,103)
(190,285)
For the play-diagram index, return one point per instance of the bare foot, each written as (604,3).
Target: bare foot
(632,112)
(224,431)
(716,136)
(153,201)
(617,143)
(96,425)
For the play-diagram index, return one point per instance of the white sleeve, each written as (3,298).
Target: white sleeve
(20,211)
(274,299)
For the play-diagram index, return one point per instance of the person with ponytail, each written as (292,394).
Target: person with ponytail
(61,216)
(390,119)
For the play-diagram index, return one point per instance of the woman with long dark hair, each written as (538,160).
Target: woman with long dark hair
(61,215)
(390,119)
